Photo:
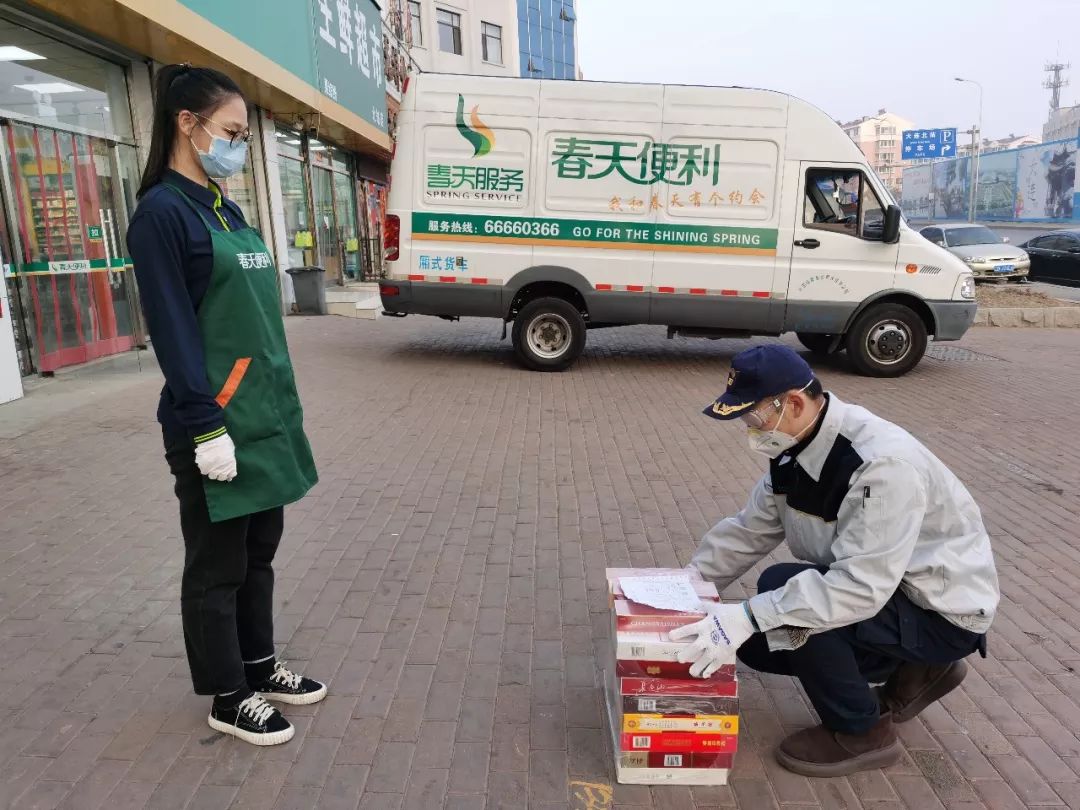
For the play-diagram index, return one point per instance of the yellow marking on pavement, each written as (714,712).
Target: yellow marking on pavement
(590,796)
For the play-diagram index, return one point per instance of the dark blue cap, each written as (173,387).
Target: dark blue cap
(757,374)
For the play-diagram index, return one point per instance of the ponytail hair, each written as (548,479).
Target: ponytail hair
(178,88)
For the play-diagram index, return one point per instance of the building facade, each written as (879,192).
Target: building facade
(1063,124)
(879,138)
(548,39)
(989,146)
(75,120)
(477,37)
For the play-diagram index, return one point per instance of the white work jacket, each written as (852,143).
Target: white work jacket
(865,498)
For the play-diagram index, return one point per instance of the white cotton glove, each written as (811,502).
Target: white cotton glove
(216,458)
(718,636)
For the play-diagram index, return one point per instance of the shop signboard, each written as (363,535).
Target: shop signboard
(349,56)
(341,54)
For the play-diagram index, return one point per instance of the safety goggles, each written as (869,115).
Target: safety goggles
(760,416)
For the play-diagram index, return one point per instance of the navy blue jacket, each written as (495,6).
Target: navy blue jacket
(171,250)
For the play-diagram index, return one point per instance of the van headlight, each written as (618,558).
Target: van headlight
(965,287)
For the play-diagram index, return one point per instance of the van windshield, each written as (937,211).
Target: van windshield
(960,237)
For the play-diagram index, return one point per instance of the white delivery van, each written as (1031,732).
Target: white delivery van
(564,206)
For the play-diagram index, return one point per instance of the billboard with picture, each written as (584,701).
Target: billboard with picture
(1034,184)
(950,184)
(916,197)
(996,194)
(1045,179)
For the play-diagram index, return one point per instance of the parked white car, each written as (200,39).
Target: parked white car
(986,253)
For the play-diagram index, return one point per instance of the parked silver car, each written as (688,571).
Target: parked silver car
(986,253)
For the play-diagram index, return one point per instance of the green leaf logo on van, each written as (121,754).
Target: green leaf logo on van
(479,134)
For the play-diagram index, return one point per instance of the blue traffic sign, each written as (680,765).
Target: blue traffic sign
(923,144)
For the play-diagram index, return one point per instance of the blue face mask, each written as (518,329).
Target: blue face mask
(224,159)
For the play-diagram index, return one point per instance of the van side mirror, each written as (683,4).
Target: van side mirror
(891,233)
(1005,240)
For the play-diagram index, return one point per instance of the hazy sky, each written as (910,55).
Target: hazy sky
(849,57)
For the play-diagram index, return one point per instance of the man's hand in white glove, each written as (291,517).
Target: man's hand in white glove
(216,458)
(719,635)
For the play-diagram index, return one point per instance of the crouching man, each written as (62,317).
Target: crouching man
(897,583)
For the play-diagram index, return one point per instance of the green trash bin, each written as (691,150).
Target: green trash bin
(310,290)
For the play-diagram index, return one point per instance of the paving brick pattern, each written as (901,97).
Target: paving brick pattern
(446,577)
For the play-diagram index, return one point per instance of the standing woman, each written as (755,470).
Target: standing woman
(230,413)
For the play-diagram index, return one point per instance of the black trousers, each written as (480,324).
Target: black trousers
(837,667)
(227,592)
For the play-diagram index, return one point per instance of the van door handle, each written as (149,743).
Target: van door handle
(809,244)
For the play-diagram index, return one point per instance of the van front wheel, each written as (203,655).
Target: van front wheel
(886,341)
(549,334)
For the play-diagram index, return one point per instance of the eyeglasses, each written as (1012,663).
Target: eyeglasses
(235,137)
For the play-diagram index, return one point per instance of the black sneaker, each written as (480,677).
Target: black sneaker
(285,686)
(254,721)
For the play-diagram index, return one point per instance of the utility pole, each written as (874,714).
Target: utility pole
(973,183)
(976,149)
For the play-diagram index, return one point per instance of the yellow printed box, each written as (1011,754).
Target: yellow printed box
(704,723)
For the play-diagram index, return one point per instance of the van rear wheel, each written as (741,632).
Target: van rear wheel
(818,344)
(548,334)
(887,340)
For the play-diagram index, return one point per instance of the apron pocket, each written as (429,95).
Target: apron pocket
(249,400)
(232,382)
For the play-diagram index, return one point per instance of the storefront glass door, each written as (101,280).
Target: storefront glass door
(294,194)
(326,235)
(345,206)
(72,274)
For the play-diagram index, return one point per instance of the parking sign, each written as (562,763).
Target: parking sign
(924,144)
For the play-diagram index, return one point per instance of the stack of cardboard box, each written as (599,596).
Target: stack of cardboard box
(667,726)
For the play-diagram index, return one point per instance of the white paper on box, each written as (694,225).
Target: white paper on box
(670,776)
(666,593)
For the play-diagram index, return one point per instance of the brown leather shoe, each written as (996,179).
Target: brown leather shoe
(820,752)
(913,687)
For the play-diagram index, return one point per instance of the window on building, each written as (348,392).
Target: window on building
(491,42)
(449,31)
(415,26)
(566,13)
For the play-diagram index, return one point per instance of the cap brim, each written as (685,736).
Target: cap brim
(725,409)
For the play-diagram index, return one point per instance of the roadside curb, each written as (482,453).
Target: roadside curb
(1032,317)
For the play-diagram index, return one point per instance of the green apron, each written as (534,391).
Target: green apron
(247,363)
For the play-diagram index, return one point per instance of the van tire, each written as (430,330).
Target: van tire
(548,334)
(887,340)
(818,344)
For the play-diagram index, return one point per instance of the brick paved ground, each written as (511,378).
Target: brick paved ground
(446,577)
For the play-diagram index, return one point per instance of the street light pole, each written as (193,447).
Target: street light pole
(976,151)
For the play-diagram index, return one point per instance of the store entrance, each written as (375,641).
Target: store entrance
(69,195)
